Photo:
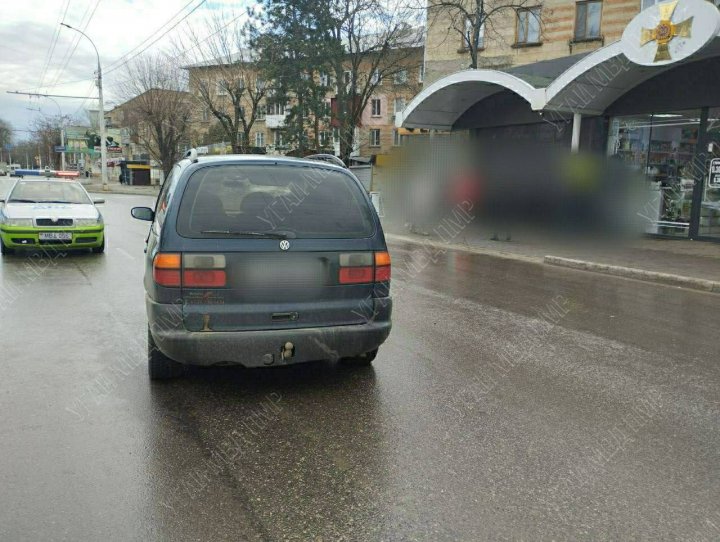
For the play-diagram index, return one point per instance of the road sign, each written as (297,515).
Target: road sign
(59,148)
(714,180)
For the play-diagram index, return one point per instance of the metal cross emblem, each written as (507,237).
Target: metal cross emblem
(665,31)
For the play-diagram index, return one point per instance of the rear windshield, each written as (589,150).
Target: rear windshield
(297,202)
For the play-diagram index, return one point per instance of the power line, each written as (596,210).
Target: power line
(77,42)
(156,39)
(56,35)
(38,94)
(182,53)
(73,43)
(150,36)
(84,101)
(59,84)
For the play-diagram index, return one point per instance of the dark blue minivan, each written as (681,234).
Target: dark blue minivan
(262,261)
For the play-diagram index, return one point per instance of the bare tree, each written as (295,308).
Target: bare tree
(474,21)
(158,110)
(45,132)
(6,133)
(374,41)
(224,77)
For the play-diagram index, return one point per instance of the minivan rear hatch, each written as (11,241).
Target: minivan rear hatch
(276,247)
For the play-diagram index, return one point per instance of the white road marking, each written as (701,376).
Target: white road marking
(125,253)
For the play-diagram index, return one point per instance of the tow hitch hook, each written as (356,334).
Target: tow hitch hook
(287,351)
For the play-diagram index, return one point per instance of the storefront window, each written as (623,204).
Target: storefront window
(710,205)
(662,146)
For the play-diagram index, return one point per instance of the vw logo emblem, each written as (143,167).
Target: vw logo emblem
(284,244)
(54,219)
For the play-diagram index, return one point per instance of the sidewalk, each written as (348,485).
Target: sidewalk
(96,187)
(689,264)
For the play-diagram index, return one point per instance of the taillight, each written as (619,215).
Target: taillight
(356,275)
(382,266)
(204,271)
(189,270)
(166,269)
(364,267)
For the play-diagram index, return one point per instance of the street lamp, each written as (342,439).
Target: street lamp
(103,135)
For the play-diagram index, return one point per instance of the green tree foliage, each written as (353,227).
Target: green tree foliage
(357,43)
(295,50)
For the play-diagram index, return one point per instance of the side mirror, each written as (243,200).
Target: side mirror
(98,201)
(143,213)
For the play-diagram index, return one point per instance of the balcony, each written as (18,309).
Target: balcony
(275,121)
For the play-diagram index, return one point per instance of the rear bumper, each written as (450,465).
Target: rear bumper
(262,348)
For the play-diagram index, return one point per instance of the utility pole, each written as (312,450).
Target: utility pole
(101,112)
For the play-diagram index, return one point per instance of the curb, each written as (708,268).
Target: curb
(667,279)
(466,248)
(634,273)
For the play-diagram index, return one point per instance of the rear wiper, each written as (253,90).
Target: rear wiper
(22,201)
(263,234)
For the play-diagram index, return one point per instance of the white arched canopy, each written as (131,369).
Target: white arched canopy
(591,85)
(442,103)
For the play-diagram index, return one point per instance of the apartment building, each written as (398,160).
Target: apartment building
(524,32)
(375,134)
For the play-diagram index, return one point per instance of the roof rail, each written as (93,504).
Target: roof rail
(326,158)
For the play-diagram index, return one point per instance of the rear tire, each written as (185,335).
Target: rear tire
(100,249)
(161,367)
(363,360)
(5,250)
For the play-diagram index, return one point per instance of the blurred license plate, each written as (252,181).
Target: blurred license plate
(55,236)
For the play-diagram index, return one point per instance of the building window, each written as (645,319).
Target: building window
(397,138)
(221,88)
(347,77)
(376,109)
(259,84)
(276,109)
(421,73)
(376,78)
(205,114)
(324,139)
(324,79)
(468,35)
(399,105)
(587,20)
(278,138)
(647,3)
(261,112)
(400,77)
(375,138)
(259,139)
(528,25)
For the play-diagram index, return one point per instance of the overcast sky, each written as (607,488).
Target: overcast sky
(28,30)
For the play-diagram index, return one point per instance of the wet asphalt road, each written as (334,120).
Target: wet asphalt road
(511,402)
